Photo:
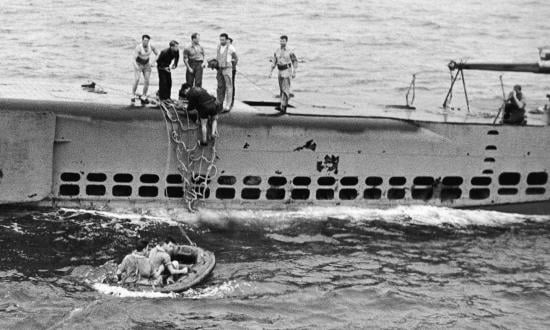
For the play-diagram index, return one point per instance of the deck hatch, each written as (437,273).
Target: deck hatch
(509,178)
(537,178)
(96,177)
(70,177)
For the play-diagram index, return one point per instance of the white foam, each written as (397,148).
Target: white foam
(125,293)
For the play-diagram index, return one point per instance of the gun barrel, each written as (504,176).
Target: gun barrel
(509,67)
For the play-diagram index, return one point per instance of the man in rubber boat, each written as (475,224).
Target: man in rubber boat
(161,260)
(142,65)
(136,267)
(514,110)
(207,107)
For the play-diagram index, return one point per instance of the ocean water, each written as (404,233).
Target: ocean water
(413,267)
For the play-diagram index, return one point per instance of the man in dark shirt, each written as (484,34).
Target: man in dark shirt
(163,67)
(206,105)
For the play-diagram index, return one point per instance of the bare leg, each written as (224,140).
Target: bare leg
(204,121)
(137,75)
(215,126)
(146,79)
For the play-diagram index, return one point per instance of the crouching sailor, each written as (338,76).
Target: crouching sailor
(207,107)
(286,62)
(514,110)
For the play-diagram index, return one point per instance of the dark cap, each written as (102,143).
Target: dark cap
(174,43)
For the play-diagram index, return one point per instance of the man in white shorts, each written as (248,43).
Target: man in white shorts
(142,65)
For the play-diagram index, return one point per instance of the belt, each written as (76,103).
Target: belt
(284,66)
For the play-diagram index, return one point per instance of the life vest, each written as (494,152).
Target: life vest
(222,57)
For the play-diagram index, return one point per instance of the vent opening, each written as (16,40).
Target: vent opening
(174,192)
(481,181)
(277,181)
(252,180)
(123,177)
(69,190)
(70,177)
(479,193)
(372,193)
(324,194)
(301,181)
(149,178)
(96,177)
(396,193)
(95,190)
(398,180)
(450,194)
(537,178)
(122,191)
(250,193)
(535,191)
(452,181)
(326,181)
(423,181)
(347,194)
(373,181)
(174,179)
(509,178)
(301,194)
(349,181)
(225,193)
(507,191)
(227,180)
(148,191)
(275,193)
(492,132)
(422,193)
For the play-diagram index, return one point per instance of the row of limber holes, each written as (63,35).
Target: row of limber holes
(504,179)
(450,189)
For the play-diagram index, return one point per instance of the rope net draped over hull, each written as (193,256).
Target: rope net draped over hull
(195,162)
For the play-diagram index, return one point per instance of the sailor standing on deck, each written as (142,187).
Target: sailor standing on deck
(286,62)
(193,57)
(227,59)
(142,65)
(163,66)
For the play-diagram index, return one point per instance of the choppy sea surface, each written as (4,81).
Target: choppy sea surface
(413,267)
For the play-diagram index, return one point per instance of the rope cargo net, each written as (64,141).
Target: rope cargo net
(194,166)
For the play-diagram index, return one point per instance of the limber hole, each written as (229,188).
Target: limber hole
(479,193)
(174,178)
(537,178)
(149,178)
(398,180)
(250,193)
(174,192)
(69,190)
(324,194)
(422,193)
(275,193)
(452,181)
(373,181)
(299,194)
(123,177)
(349,181)
(450,194)
(148,191)
(225,193)
(96,177)
(252,180)
(535,191)
(347,194)
(372,193)
(509,178)
(277,181)
(481,181)
(227,180)
(423,181)
(396,193)
(122,191)
(507,191)
(301,181)
(70,177)
(326,181)
(95,190)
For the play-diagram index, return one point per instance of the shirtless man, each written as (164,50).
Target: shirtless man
(160,259)
(142,65)
(285,61)
(136,267)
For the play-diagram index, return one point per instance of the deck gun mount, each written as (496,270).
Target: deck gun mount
(542,67)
